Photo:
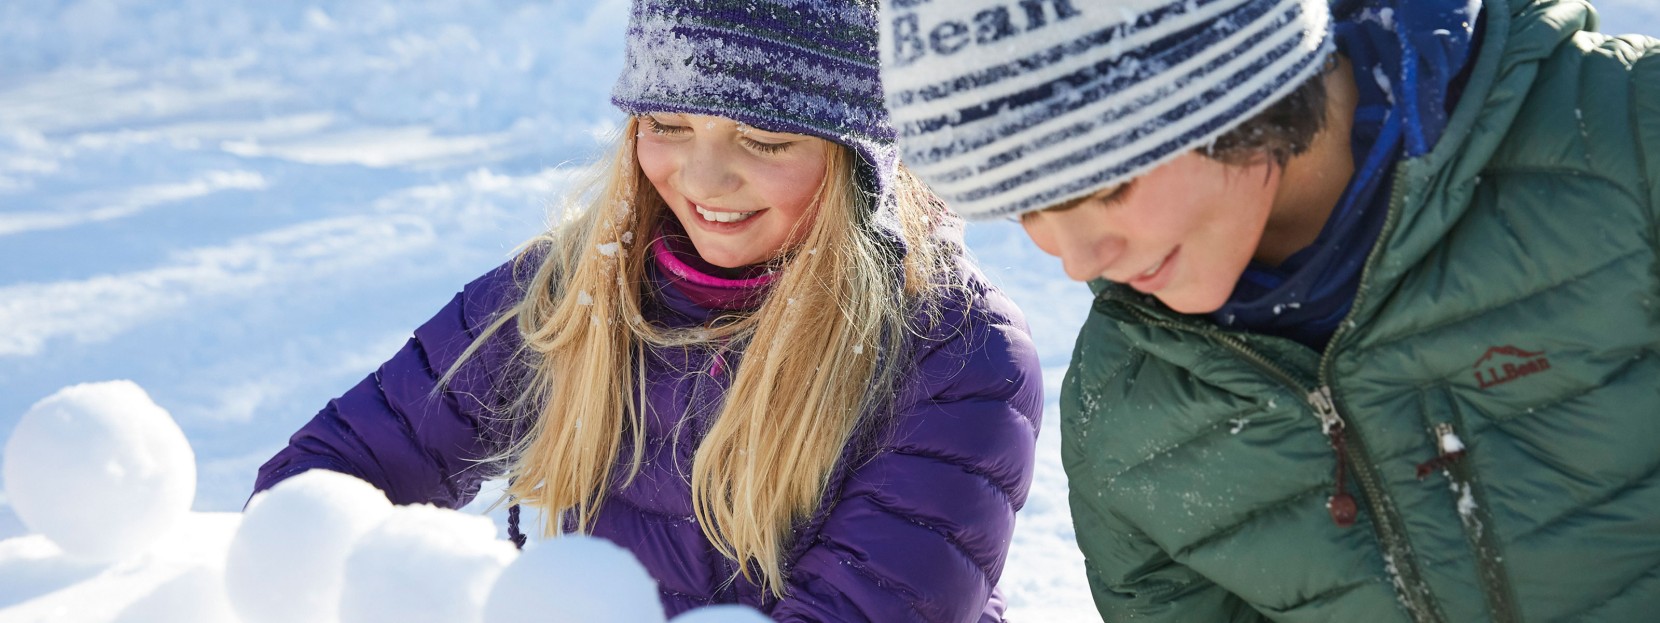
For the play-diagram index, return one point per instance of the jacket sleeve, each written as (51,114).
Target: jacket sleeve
(1645,81)
(1133,579)
(919,532)
(395,431)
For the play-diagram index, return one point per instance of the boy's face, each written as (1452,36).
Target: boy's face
(1183,232)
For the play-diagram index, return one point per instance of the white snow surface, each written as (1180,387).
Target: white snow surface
(580,578)
(245,207)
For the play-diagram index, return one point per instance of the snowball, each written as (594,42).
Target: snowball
(287,559)
(196,596)
(575,578)
(423,563)
(99,469)
(722,614)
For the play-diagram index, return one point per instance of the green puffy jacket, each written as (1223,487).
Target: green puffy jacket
(1512,307)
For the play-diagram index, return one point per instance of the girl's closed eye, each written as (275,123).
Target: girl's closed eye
(764,143)
(769,146)
(764,147)
(658,126)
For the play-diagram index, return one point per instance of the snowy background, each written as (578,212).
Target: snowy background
(244,207)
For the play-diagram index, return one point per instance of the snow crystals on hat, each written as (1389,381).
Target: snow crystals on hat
(800,66)
(1008,106)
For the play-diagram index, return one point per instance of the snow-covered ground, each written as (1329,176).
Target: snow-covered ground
(244,207)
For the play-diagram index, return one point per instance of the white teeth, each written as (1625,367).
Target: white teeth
(1155,269)
(722,217)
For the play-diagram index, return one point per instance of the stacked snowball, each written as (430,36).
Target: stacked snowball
(320,547)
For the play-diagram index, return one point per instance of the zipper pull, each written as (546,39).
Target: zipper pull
(1341,505)
(1326,409)
(1451,450)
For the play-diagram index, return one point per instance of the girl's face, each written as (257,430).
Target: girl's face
(742,194)
(1183,232)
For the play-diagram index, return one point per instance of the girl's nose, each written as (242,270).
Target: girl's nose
(707,173)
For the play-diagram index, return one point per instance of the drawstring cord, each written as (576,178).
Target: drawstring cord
(1341,505)
(513,533)
(1440,462)
(1450,450)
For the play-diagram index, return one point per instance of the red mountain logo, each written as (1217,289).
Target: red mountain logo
(1503,364)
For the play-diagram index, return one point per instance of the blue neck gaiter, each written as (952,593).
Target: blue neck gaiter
(1409,58)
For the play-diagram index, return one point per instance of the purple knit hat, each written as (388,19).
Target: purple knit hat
(801,66)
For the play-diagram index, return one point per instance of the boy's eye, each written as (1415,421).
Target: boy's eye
(1109,197)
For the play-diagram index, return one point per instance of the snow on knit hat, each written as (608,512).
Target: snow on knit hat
(799,66)
(1009,106)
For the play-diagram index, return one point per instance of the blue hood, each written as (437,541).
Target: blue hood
(1408,58)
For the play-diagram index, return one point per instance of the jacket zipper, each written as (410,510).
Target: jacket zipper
(1411,588)
(1494,580)
(1495,585)
(1350,449)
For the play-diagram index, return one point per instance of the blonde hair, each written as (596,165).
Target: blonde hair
(819,358)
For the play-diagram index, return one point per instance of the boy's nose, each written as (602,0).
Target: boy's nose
(1088,255)
(1085,252)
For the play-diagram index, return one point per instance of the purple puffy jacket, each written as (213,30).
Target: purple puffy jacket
(915,531)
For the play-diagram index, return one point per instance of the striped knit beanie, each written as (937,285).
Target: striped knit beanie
(1009,106)
(801,66)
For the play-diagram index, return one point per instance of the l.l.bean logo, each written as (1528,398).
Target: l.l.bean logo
(1503,364)
(914,39)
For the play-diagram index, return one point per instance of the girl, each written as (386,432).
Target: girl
(757,356)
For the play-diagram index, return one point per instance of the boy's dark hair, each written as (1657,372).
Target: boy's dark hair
(1283,130)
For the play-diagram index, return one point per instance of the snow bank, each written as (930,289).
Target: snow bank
(319,547)
(195,596)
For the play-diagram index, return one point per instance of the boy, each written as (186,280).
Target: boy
(1376,321)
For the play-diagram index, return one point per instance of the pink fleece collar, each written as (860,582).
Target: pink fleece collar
(688,273)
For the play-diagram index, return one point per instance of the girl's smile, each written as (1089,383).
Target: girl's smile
(742,194)
(722,217)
